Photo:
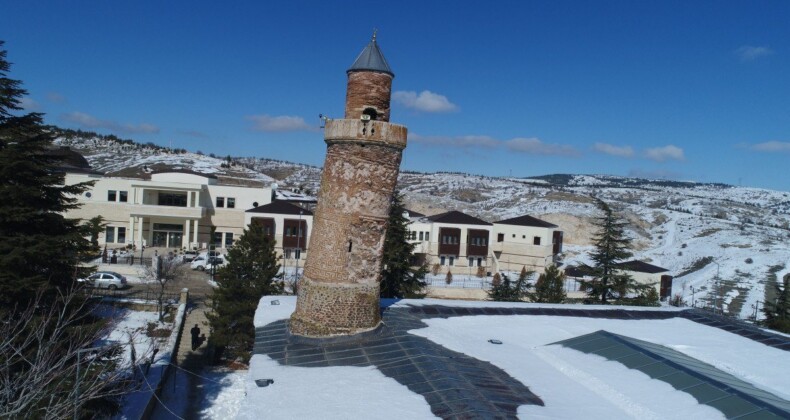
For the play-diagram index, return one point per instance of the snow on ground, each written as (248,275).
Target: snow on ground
(127,325)
(220,394)
(571,384)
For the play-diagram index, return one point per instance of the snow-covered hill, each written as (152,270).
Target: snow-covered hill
(695,230)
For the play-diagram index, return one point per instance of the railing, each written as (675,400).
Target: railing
(149,294)
(461,283)
(127,260)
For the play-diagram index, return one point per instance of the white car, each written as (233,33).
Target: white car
(203,263)
(105,280)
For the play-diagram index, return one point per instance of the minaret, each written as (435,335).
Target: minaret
(339,293)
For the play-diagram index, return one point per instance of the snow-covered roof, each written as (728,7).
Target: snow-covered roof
(436,358)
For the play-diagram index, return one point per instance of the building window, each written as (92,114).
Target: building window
(287,253)
(426,236)
(231,203)
(228,239)
(479,261)
(452,259)
(175,200)
(536,240)
(523,236)
(217,239)
(414,235)
(121,235)
(441,260)
(500,237)
(514,235)
(254,204)
(298,253)
(220,202)
(109,234)
(471,261)
(421,235)
(123,196)
(111,195)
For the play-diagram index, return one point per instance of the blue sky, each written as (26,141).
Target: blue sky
(671,89)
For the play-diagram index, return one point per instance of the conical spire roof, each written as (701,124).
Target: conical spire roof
(371,59)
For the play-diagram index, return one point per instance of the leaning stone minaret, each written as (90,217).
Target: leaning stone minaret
(339,293)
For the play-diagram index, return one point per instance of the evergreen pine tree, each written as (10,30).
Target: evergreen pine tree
(550,287)
(508,291)
(611,248)
(399,279)
(249,274)
(39,255)
(777,314)
(39,248)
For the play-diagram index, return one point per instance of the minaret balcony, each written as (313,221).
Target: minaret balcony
(366,132)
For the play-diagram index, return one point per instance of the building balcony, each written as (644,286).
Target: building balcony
(152,210)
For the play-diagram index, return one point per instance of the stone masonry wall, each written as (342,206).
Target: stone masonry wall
(339,293)
(367,89)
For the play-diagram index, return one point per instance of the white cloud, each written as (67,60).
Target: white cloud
(280,123)
(425,101)
(621,151)
(535,146)
(771,146)
(89,121)
(660,154)
(56,98)
(750,53)
(458,141)
(29,104)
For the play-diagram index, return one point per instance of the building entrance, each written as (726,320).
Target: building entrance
(168,235)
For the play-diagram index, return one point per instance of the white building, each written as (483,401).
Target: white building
(526,241)
(460,243)
(172,209)
(290,226)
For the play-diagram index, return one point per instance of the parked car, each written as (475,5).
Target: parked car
(105,280)
(189,256)
(203,263)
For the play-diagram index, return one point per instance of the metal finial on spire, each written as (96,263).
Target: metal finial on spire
(374,34)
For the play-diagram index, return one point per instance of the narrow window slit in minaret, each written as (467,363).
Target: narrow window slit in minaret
(364,130)
(349,246)
(372,130)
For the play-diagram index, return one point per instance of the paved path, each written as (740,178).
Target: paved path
(189,359)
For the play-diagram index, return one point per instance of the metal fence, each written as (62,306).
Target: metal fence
(149,294)
(127,260)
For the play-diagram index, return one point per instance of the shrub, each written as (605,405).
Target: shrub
(435,269)
(749,261)
(481,271)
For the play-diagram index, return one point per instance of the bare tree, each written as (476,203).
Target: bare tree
(166,271)
(51,364)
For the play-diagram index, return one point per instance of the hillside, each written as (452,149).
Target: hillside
(695,230)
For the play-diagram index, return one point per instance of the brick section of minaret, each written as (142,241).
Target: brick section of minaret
(367,89)
(340,290)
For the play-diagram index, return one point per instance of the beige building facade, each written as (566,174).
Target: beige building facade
(174,209)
